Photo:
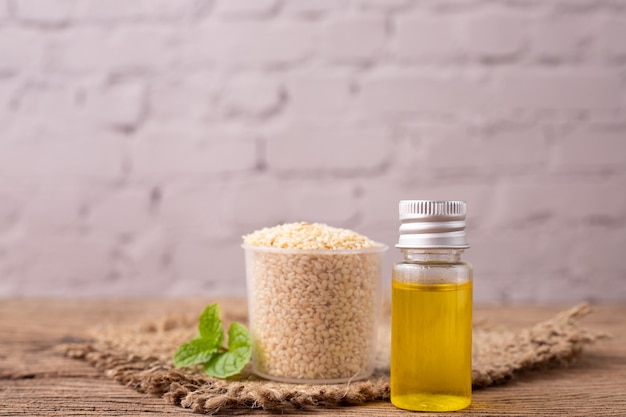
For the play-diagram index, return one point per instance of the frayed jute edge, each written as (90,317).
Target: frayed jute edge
(554,342)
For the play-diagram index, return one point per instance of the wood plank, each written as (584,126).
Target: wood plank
(64,396)
(36,380)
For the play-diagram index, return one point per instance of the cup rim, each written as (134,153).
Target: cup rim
(379,248)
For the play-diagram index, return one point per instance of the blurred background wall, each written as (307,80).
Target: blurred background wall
(140,139)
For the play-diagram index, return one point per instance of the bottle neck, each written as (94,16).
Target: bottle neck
(432,255)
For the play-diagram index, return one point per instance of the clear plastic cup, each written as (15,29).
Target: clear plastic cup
(313,314)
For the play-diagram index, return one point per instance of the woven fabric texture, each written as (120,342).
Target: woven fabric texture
(140,357)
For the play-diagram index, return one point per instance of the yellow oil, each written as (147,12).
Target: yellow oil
(431,346)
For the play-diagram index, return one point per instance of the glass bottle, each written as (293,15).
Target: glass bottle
(431,321)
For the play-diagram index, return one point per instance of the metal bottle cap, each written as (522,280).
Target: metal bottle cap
(431,224)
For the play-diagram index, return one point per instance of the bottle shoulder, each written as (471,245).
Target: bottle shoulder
(432,272)
(432,264)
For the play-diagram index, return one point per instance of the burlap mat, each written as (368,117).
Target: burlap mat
(141,357)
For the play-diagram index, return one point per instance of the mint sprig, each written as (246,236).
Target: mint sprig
(206,348)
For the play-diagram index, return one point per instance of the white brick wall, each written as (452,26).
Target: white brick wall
(140,139)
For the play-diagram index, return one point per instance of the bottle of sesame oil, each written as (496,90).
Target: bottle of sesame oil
(431,321)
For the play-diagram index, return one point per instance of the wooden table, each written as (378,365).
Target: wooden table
(36,381)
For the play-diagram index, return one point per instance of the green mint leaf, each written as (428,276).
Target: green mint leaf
(210,326)
(231,362)
(194,352)
(206,348)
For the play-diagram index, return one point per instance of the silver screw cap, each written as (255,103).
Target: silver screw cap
(432,224)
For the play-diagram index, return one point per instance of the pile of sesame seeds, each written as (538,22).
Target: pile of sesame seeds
(308,236)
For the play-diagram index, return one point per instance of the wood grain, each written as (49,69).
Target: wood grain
(36,380)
